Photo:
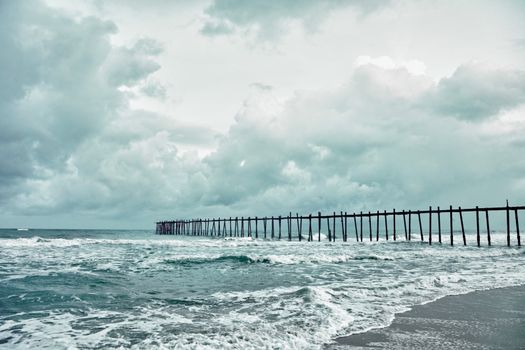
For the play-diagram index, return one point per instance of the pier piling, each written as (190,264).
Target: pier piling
(249,226)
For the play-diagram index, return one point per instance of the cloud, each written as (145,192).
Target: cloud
(370,144)
(268,18)
(390,136)
(475,92)
(52,97)
(68,138)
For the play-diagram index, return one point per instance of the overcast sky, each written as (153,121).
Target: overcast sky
(120,113)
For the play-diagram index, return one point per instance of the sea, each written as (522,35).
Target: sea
(114,289)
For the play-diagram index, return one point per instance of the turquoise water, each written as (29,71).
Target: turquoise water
(63,289)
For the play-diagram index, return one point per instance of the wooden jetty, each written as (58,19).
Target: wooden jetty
(336,225)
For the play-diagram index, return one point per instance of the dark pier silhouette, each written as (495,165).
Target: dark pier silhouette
(336,225)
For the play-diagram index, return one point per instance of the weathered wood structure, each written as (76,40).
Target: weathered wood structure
(336,225)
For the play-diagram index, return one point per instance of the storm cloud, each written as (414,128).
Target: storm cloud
(82,134)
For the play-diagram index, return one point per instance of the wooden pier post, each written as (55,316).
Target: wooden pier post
(310,237)
(343,228)
(346,226)
(439,224)
(333,233)
(430,225)
(279,222)
(420,226)
(394,224)
(249,227)
(488,226)
(361,222)
(264,226)
(319,226)
(451,228)
(355,226)
(328,228)
(478,240)
(299,227)
(508,224)
(290,226)
(242,226)
(405,225)
(462,226)
(273,227)
(370,225)
(517,227)
(409,225)
(386,226)
(256,228)
(377,226)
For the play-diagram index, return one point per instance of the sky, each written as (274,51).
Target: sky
(117,114)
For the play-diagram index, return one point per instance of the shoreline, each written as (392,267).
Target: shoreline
(485,319)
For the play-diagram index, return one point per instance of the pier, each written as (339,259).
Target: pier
(372,226)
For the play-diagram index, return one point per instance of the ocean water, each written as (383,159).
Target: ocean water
(82,289)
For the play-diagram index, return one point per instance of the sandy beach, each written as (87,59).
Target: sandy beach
(490,319)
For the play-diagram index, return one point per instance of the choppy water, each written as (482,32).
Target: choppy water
(132,289)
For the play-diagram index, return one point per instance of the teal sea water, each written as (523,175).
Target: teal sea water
(79,289)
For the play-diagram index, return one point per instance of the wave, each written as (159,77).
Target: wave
(270,259)
(306,312)
(197,260)
(38,241)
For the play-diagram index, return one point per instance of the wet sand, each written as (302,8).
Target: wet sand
(492,319)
